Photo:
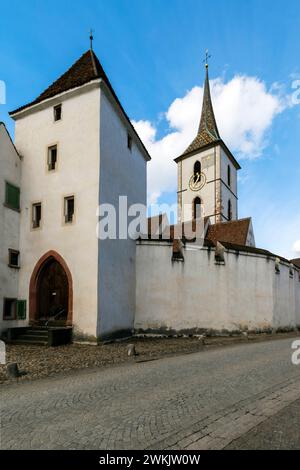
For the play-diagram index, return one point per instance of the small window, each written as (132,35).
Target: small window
(69,207)
(36,215)
(197,208)
(197,171)
(52,157)
(129,141)
(9,309)
(229,210)
(57,112)
(13,258)
(229,175)
(12,196)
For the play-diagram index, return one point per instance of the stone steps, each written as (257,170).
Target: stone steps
(33,336)
(41,335)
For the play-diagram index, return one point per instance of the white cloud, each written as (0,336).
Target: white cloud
(296,248)
(244,110)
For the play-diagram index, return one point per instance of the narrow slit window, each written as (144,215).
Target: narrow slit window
(229,210)
(13,258)
(69,208)
(129,141)
(36,215)
(52,157)
(57,112)
(229,175)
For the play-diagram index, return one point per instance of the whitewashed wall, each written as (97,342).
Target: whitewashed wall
(122,172)
(77,137)
(10,170)
(199,294)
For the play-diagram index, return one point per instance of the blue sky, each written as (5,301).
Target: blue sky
(152,51)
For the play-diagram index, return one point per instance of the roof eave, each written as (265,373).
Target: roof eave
(206,147)
(30,106)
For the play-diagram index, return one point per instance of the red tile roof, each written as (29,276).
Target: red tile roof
(84,70)
(235,231)
(296,262)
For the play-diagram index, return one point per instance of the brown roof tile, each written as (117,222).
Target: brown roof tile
(208,130)
(235,231)
(296,262)
(208,133)
(84,70)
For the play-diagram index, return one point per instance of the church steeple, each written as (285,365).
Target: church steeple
(208,130)
(207,170)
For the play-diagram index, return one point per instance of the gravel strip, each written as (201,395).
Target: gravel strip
(41,361)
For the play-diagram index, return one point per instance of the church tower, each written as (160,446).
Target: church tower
(207,172)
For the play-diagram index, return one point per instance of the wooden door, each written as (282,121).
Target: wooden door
(53,292)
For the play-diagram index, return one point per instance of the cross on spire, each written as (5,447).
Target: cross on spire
(91,39)
(207,56)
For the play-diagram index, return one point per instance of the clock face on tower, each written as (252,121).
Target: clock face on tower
(197,181)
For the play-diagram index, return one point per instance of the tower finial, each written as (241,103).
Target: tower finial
(91,39)
(207,56)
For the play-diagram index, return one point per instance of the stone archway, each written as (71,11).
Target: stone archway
(51,289)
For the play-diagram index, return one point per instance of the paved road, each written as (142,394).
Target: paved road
(201,400)
(281,431)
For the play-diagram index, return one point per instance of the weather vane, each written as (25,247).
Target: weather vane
(91,38)
(207,56)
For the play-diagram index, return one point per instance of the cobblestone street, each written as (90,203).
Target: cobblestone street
(203,400)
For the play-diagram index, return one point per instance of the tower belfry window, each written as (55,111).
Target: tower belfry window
(197,171)
(197,208)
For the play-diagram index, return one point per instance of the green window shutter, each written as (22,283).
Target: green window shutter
(12,196)
(21,310)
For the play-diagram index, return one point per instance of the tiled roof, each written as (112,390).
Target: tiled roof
(83,71)
(296,262)
(159,228)
(208,130)
(235,231)
(208,133)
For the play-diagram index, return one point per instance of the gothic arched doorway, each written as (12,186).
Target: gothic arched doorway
(51,292)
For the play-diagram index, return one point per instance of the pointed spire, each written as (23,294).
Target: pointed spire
(208,123)
(208,130)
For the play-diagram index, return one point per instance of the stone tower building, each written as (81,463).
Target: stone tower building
(207,172)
